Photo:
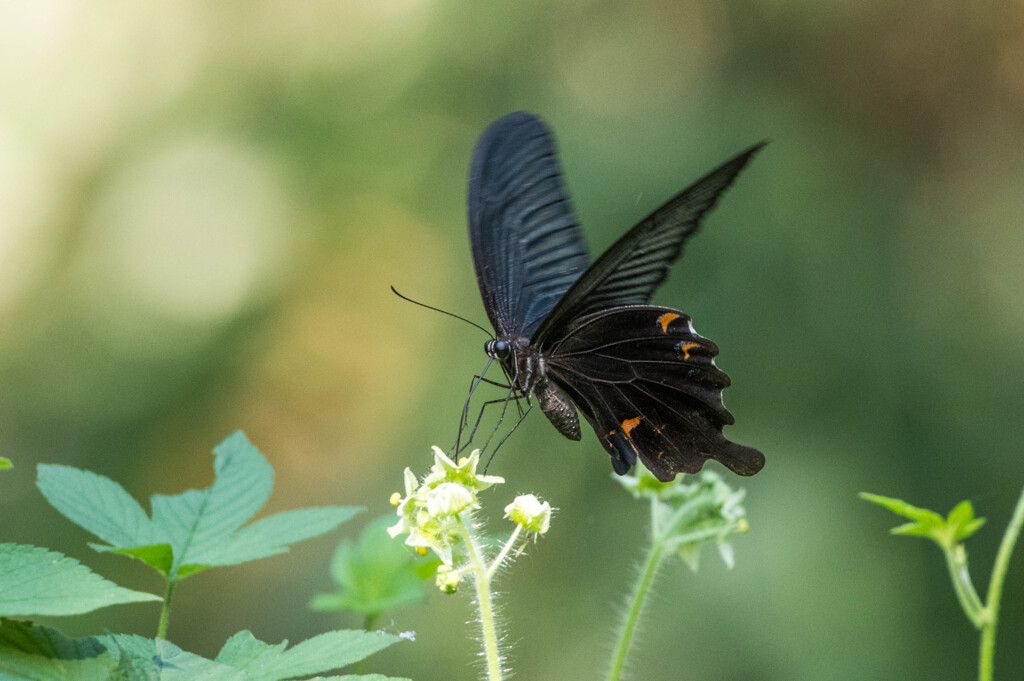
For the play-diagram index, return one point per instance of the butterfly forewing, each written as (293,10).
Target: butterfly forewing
(527,245)
(635,265)
(648,385)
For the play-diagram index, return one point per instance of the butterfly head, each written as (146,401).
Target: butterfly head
(500,350)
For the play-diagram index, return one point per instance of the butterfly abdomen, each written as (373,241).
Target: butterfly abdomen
(559,409)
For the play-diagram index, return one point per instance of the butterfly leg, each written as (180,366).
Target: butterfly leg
(511,397)
(503,401)
(522,418)
(464,418)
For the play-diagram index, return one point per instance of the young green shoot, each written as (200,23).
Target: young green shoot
(949,533)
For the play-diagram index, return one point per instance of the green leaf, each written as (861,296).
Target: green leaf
(159,556)
(375,575)
(965,531)
(34,653)
(912,529)
(690,554)
(144,659)
(962,522)
(202,528)
(332,650)
(358,677)
(98,504)
(961,514)
(900,507)
(959,524)
(34,581)
(5,463)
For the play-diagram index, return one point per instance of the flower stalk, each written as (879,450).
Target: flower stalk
(482,580)
(683,518)
(438,515)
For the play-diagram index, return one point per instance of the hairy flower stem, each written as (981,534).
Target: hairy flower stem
(640,590)
(482,580)
(666,536)
(995,591)
(165,611)
(504,551)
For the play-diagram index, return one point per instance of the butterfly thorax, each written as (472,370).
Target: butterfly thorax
(526,367)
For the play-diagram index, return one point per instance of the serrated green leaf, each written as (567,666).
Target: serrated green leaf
(97,504)
(961,521)
(961,514)
(358,677)
(201,527)
(33,653)
(328,603)
(35,581)
(425,568)
(965,531)
(900,507)
(690,554)
(332,650)
(144,659)
(375,575)
(269,536)
(959,524)
(913,529)
(158,556)
(189,570)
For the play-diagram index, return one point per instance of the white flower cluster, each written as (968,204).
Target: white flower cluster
(436,514)
(429,509)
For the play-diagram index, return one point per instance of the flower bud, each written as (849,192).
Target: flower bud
(448,579)
(448,498)
(530,512)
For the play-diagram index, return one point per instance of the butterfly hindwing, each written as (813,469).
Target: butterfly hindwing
(648,385)
(527,245)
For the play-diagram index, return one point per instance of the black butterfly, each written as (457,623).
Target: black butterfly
(582,336)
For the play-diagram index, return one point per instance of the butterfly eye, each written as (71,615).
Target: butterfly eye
(498,349)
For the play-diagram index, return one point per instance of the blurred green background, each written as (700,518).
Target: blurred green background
(202,206)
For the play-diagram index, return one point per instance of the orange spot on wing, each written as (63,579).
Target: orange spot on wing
(686,347)
(667,319)
(629,424)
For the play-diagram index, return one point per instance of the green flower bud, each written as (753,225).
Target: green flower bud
(448,579)
(530,512)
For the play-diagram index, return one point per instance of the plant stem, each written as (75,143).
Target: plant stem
(165,611)
(640,590)
(483,598)
(504,551)
(956,562)
(369,622)
(995,591)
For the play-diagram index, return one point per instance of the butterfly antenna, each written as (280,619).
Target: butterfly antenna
(437,309)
